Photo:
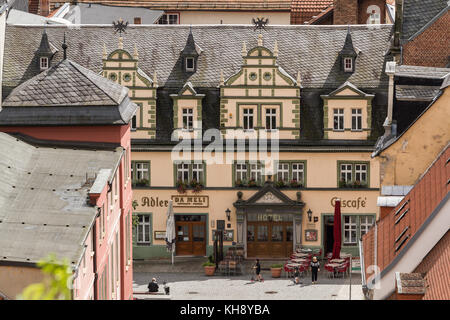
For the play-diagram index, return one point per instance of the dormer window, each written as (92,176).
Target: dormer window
(190,64)
(43,63)
(348,64)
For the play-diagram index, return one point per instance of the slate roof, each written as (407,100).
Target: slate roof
(43,199)
(312,50)
(418,13)
(416,93)
(67,93)
(421,72)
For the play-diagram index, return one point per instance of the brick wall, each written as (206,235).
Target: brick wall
(430,48)
(345,12)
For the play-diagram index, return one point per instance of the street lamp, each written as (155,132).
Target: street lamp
(228,211)
(309,214)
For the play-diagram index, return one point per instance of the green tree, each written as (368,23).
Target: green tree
(57,281)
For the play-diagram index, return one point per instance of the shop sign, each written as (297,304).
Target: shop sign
(354,203)
(154,202)
(191,201)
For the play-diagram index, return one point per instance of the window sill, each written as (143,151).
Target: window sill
(187,130)
(356,130)
(338,130)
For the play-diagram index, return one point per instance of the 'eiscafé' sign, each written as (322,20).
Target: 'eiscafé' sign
(356,203)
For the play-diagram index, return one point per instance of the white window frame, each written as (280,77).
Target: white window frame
(142,170)
(166,17)
(338,118)
(350,230)
(345,170)
(365,223)
(190,69)
(283,171)
(271,119)
(248,119)
(143,224)
(356,119)
(256,171)
(241,171)
(348,64)
(188,119)
(360,170)
(197,172)
(183,168)
(298,172)
(44,63)
(375,18)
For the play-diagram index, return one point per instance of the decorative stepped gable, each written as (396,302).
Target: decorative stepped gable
(263,89)
(356,113)
(187,112)
(122,67)
(67,94)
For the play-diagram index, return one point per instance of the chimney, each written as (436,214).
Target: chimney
(345,12)
(390,71)
(409,286)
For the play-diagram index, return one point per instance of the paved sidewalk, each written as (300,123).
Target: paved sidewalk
(187,281)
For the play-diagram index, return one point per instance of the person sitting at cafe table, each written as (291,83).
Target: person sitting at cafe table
(153,286)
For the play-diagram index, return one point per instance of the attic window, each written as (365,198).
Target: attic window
(374,18)
(190,64)
(348,65)
(137,20)
(43,63)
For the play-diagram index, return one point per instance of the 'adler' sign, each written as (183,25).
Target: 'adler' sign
(191,201)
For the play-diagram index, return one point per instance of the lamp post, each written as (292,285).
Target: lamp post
(228,212)
(309,214)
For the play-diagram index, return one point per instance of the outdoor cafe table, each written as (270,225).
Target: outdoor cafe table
(300,255)
(337,260)
(299,260)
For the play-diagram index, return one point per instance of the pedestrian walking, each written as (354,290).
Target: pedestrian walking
(257,268)
(315,267)
(296,276)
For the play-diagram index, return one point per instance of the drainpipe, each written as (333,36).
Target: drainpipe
(390,71)
(94,244)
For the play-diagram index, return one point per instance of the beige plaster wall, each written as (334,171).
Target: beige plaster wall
(347,105)
(223,17)
(403,162)
(13,279)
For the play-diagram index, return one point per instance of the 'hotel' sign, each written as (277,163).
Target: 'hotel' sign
(191,201)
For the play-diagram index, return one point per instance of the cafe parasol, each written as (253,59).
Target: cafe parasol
(337,230)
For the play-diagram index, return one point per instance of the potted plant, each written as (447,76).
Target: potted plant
(209,266)
(239,183)
(280,183)
(141,183)
(252,183)
(196,186)
(342,184)
(181,186)
(275,269)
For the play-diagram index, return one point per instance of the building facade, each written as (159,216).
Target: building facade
(320,118)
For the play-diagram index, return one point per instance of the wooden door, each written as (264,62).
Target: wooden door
(191,238)
(269,239)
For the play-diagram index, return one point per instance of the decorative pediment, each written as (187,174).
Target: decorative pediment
(347,90)
(269,195)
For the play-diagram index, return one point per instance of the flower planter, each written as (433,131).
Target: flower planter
(209,270)
(276,272)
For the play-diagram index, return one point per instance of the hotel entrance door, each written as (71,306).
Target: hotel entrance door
(269,239)
(191,235)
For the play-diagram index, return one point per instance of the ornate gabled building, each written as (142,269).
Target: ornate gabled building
(318,94)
